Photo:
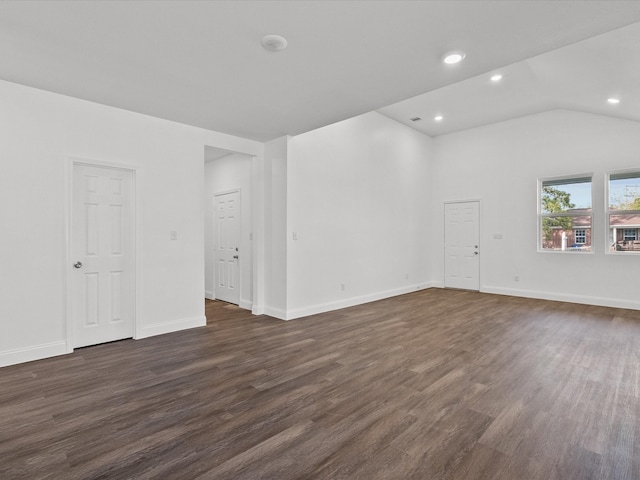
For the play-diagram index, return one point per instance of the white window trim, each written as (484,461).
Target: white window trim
(542,215)
(608,212)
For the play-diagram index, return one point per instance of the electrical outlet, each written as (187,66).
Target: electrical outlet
(516,278)
(342,287)
(406,276)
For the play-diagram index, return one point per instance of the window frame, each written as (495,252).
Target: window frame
(609,241)
(576,178)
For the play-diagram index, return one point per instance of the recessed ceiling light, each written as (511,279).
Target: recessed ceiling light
(496,78)
(438,118)
(452,58)
(613,100)
(274,43)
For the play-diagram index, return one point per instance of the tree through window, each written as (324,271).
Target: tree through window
(565,214)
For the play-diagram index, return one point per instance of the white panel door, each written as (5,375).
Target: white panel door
(102,249)
(227,241)
(461,245)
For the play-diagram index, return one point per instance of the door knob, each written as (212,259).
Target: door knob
(78,264)
(235,256)
(476,253)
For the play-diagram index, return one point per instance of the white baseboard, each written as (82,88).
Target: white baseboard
(209,295)
(172,326)
(564,297)
(275,312)
(350,302)
(35,352)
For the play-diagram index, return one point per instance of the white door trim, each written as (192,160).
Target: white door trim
(213,260)
(444,260)
(70,162)
(257,216)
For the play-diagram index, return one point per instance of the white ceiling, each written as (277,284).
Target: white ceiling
(581,77)
(201,63)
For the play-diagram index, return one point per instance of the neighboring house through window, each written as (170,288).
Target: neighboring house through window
(565,214)
(623,211)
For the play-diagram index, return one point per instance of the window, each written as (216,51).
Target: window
(565,214)
(623,212)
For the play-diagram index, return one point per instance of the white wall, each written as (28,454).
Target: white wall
(39,131)
(500,164)
(364,197)
(358,200)
(275,228)
(232,172)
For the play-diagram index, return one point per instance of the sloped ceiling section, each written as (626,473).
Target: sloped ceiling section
(580,77)
(201,63)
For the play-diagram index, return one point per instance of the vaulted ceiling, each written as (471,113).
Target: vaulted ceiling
(582,76)
(201,63)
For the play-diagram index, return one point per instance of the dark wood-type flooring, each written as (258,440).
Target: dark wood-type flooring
(438,384)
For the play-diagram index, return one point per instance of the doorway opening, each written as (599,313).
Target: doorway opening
(228,227)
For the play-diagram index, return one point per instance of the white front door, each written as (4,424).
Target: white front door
(461,245)
(227,242)
(102,255)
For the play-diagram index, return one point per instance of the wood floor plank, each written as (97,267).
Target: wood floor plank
(437,384)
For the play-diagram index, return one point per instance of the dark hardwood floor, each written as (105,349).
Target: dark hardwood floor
(438,384)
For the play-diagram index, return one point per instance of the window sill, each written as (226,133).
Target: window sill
(567,252)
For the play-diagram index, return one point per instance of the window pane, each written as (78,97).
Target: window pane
(624,228)
(621,237)
(571,234)
(566,197)
(565,220)
(624,192)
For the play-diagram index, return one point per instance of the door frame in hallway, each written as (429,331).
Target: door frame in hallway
(216,247)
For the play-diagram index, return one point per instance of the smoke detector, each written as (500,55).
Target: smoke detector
(274,43)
